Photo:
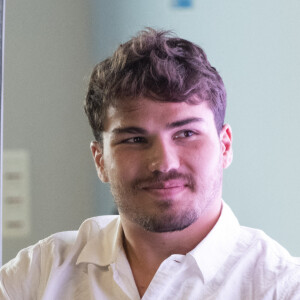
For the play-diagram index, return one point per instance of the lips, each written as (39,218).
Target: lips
(164,188)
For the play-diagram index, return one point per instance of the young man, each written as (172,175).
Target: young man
(157,110)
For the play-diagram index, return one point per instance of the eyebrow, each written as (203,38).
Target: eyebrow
(139,130)
(183,122)
(130,129)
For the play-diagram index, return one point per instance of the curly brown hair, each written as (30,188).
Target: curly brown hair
(156,65)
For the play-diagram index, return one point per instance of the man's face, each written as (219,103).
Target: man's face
(164,162)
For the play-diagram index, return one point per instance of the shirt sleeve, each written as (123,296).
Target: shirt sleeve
(286,287)
(20,278)
(291,290)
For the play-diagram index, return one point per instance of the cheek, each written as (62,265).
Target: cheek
(122,166)
(204,158)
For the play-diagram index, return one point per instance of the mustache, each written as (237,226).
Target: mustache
(160,177)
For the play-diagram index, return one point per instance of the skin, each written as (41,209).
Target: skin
(164,162)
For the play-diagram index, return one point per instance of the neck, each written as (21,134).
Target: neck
(147,250)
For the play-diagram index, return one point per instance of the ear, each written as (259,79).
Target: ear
(97,152)
(226,145)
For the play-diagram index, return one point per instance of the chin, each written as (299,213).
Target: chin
(167,222)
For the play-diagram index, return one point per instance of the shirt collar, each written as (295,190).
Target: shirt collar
(103,241)
(211,253)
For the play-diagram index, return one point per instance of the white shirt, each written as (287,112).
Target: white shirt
(231,263)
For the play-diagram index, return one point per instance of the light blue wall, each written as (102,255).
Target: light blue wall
(255,45)
(47,57)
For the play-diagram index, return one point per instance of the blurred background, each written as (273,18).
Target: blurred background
(49,180)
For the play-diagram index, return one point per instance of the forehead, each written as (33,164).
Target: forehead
(148,112)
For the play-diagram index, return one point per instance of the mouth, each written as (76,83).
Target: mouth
(165,188)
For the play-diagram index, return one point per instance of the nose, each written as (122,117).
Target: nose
(163,156)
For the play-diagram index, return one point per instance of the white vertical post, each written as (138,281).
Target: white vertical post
(2,22)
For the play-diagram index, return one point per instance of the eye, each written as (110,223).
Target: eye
(184,134)
(135,140)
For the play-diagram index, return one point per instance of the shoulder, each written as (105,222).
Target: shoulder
(33,265)
(270,265)
(88,229)
(65,247)
(266,250)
